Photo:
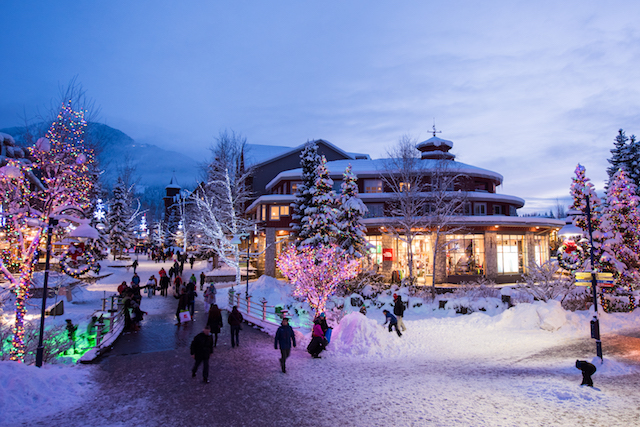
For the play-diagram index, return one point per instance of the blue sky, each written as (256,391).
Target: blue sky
(528,89)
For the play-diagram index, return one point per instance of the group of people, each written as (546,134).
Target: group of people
(131,299)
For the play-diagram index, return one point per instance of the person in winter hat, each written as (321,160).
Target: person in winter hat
(201,349)
(398,310)
(587,369)
(391,319)
(284,337)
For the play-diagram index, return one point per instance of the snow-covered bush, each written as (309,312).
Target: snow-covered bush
(544,283)
(480,288)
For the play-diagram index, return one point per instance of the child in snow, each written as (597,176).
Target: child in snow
(391,319)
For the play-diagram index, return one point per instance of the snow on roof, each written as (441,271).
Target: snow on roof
(435,141)
(489,220)
(300,147)
(373,168)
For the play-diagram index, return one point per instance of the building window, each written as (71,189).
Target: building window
(511,251)
(512,211)
(373,186)
(375,210)
(541,248)
(294,186)
(467,209)
(405,186)
(497,209)
(263,217)
(375,250)
(336,185)
(275,212)
(465,254)
(479,208)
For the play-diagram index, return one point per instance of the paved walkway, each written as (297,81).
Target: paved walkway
(146,381)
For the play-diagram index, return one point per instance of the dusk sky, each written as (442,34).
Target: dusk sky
(525,88)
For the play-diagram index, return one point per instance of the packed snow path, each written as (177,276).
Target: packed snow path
(464,379)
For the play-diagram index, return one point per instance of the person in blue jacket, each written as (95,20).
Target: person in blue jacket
(393,322)
(284,337)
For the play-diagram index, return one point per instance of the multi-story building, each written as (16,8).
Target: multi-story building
(490,239)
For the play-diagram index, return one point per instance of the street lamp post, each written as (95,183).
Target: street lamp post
(40,350)
(246,293)
(595,323)
(83,231)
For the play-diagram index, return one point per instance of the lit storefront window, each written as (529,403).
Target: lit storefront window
(465,254)
(541,248)
(375,252)
(511,251)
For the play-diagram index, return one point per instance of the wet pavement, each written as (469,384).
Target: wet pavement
(146,381)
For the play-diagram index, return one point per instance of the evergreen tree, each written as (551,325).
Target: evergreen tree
(351,210)
(319,224)
(621,229)
(118,218)
(157,234)
(626,156)
(309,161)
(581,187)
(171,226)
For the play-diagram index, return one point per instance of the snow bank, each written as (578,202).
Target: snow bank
(27,392)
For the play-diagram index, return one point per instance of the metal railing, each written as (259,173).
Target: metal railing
(259,309)
(108,320)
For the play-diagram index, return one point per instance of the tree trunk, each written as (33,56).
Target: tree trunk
(435,256)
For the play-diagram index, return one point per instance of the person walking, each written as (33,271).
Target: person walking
(183,300)
(202,279)
(192,260)
(214,321)
(235,323)
(151,286)
(201,349)
(398,310)
(284,337)
(318,341)
(210,296)
(164,285)
(192,294)
(393,322)
(134,265)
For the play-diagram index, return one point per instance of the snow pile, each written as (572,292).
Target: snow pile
(276,292)
(37,392)
(358,335)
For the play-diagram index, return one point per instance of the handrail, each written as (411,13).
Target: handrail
(259,309)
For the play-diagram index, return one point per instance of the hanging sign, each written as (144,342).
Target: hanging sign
(604,280)
(387,254)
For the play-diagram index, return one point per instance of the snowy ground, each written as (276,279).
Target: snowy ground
(510,368)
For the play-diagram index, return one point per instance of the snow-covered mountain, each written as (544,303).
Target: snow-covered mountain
(154,166)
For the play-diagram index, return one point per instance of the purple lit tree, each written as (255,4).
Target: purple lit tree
(317,272)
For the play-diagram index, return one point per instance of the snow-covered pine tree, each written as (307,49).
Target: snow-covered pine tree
(118,218)
(309,161)
(619,154)
(351,210)
(171,225)
(319,223)
(620,228)
(157,234)
(626,156)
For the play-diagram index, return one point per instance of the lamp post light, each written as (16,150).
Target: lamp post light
(83,232)
(595,323)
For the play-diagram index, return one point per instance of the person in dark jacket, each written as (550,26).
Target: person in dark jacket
(164,285)
(202,279)
(134,265)
(192,294)
(587,369)
(393,322)
(235,322)
(284,337)
(214,322)
(201,349)
(183,301)
(398,310)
